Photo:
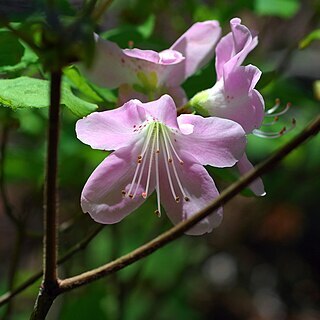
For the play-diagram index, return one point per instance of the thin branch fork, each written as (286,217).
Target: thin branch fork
(179,229)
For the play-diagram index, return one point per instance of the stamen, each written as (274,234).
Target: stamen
(275,120)
(165,157)
(157,169)
(165,133)
(140,158)
(270,112)
(165,138)
(144,194)
(273,135)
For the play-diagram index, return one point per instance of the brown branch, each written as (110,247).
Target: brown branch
(179,229)
(50,285)
(5,298)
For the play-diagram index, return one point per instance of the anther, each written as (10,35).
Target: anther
(186,198)
(131,196)
(177,199)
(282,131)
(144,195)
(170,160)
(158,213)
(123,193)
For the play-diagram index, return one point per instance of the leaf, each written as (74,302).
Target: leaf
(87,88)
(278,8)
(11,50)
(78,106)
(316,89)
(147,27)
(25,92)
(305,42)
(266,78)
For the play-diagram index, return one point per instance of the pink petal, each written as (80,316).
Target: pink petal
(127,92)
(244,165)
(102,194)
(214,141)
(178,95)
(234,47)
(244,104)
(110,130)
(163,110)
(113,66)
(197,46)
(200,189)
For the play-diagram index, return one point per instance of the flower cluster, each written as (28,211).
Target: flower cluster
(153,149)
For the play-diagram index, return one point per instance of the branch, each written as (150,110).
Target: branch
(5,298)
(3,151)
(179,229)
(50,285)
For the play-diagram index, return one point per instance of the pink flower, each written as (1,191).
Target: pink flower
(146,74)
(155,150)
(233,96)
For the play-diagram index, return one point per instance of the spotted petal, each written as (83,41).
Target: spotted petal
(113,66)
(110,130)
(163,109)
(245,104)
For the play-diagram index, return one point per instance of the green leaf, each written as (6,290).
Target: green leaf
(25,92)
(279,8)
(147,27)
(11,50)
(266,78)
(87,88)
(78,106)
(314,35)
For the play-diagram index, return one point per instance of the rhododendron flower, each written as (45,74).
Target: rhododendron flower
(155,150)
(233,96)
(146,74)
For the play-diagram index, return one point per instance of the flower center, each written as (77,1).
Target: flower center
(158,150)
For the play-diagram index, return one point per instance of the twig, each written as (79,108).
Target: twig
(47,292)
(100,9)
(5,200)
(5,298)
(179,229)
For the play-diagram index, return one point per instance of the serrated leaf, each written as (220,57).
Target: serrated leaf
(314,35)
(25,92)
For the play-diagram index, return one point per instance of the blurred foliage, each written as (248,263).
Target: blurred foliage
(262,263)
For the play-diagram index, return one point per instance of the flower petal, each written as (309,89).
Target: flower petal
(178,95)
(244,165)
(244,104)
(233,48)
(200,189)
(113,66)
(110,130)
(214,141)
(163,110)
(102,194)
(197,46)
